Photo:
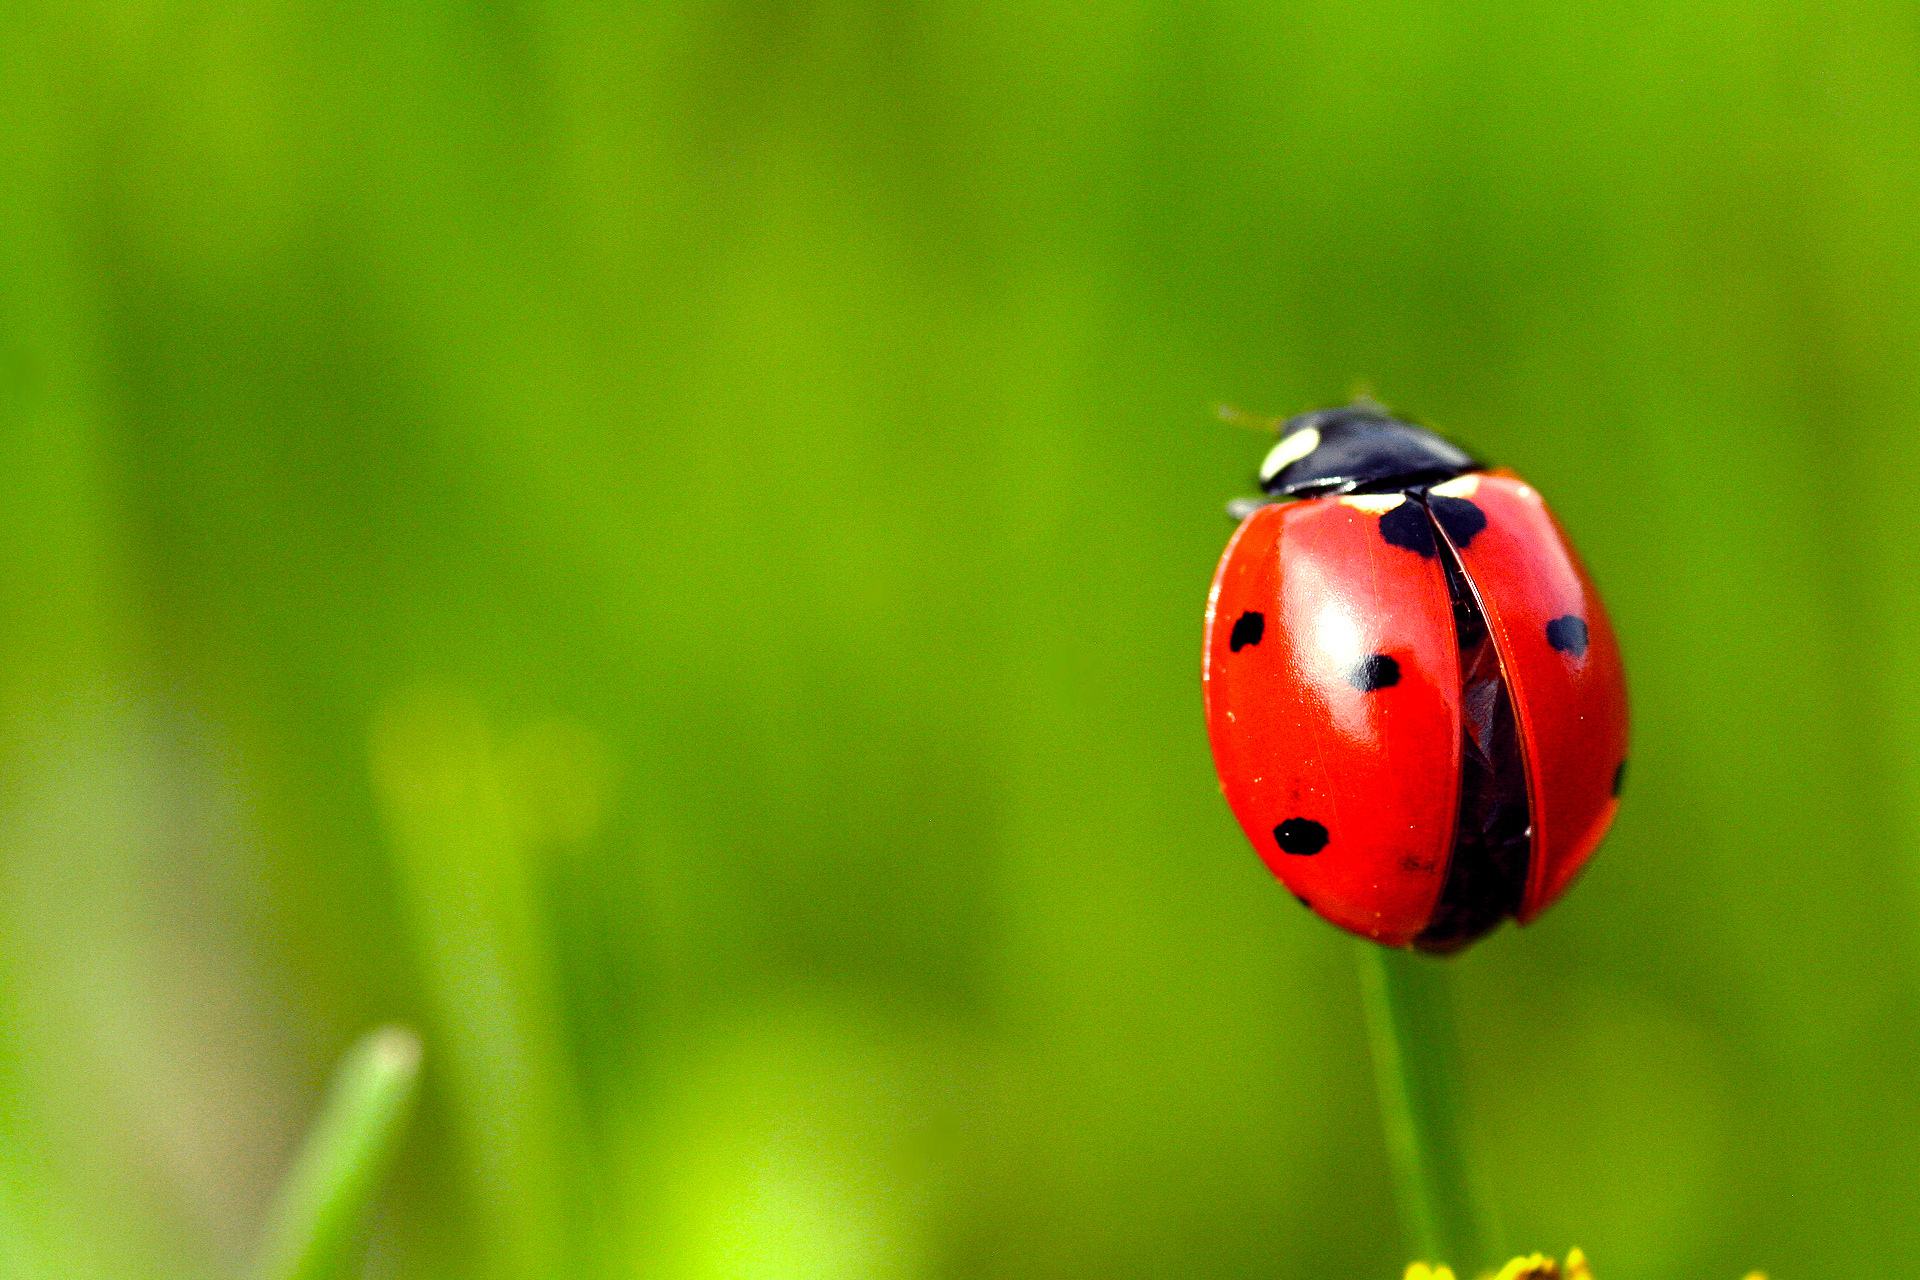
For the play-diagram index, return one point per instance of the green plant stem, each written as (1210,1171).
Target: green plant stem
(339,1164)
(1416,1063)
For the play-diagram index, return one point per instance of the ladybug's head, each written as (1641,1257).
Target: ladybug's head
(1357,449)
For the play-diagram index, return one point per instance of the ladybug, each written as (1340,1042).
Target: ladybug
(1414,696)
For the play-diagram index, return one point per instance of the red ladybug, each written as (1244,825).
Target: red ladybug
(1414,696)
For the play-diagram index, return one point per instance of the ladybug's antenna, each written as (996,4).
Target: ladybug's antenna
(1363,398)
(1234,416)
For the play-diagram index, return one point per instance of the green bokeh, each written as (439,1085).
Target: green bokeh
(664,544)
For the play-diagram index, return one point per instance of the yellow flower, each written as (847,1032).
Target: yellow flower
(1536,1267)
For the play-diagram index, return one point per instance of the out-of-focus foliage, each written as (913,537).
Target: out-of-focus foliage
(664,543)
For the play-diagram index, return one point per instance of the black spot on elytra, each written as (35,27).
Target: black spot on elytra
(1619,778)
(1568,635)
(1301,836)
(1375,671)
(1247,630)
(1407,526)
(1459,518)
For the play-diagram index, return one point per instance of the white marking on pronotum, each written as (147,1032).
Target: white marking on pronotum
(1459,487)
(1241,508)
(1375,503)
(1289,451)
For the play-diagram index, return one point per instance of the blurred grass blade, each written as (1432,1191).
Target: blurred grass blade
(472,894)
(339,1165)
(1416,1064)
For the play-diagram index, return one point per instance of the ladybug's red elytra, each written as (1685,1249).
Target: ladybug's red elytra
(1414,696)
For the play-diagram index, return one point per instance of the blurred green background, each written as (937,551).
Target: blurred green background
(664,545)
